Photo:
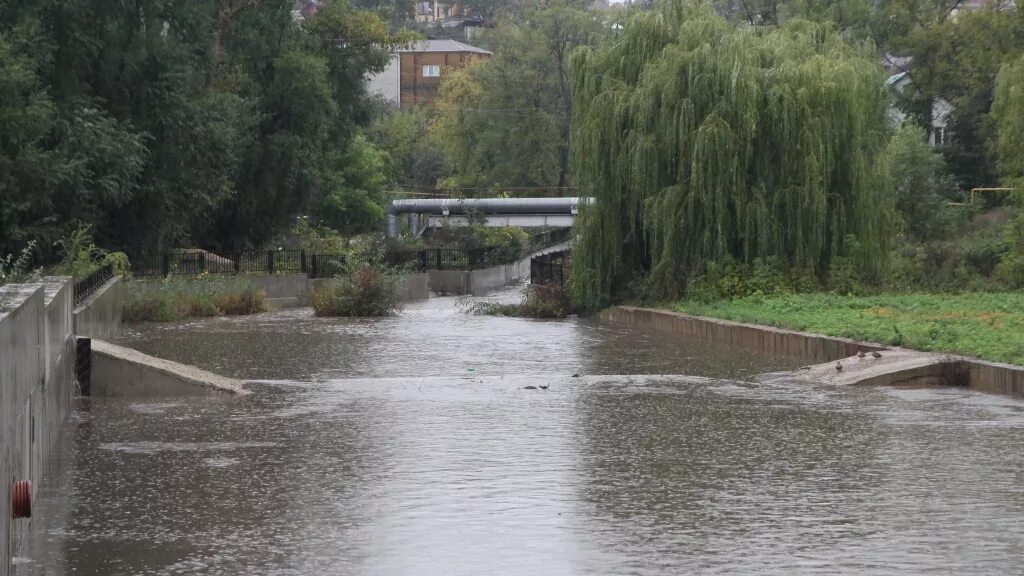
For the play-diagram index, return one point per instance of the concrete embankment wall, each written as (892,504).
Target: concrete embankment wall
(478,282)
(290,290)
(37,355)
(815,349)
(102,313)
(119,371)
(805,347)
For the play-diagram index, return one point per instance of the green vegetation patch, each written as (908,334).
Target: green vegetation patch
(364,290)
(986,325)
(177,299)
(539,302)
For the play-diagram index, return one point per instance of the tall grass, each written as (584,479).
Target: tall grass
(362,291)
(177,299)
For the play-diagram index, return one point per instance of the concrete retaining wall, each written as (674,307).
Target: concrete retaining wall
(119,371)
(102,313)
(478,282)
(816,348)
(802,346)
(995,377)
(37,354)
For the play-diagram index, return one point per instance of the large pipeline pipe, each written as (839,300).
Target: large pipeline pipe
(484,206)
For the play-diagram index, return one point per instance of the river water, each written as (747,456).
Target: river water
(409,445)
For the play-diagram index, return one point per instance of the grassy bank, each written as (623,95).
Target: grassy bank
(987,325)
(177,300)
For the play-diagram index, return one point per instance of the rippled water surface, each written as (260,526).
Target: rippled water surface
(409,445)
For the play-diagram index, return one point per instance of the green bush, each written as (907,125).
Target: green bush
(177,299)
(539,302)
(730,279)
(80,256)
(363,290)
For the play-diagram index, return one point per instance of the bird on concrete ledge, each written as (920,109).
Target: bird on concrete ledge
(839,366)
(876,354)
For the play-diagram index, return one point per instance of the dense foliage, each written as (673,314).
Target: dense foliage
(703,142)
(164,124)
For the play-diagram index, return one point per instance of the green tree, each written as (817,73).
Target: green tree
(958,59)
(414,157)
(172,123)
(355,198)
(704,142)
(918,176)
(505,121)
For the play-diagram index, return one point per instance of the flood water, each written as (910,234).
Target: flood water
(409,445)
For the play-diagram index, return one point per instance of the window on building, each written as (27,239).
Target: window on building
(432,70)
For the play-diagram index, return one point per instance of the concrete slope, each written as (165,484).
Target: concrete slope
(120,371)
(896,367)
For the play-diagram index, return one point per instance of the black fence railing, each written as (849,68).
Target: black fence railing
(84,287)
(551,269)
(194,263)
(446,258)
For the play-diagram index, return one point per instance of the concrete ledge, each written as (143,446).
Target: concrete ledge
(120,371)
(897,367)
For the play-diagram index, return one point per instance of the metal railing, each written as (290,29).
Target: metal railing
(194,263)
(445,258)
(84,287)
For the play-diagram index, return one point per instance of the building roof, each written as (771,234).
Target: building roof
(897,79)
(442,46)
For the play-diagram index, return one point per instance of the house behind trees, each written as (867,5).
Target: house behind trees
(414,74)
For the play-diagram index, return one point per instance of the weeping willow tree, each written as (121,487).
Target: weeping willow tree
(703,142)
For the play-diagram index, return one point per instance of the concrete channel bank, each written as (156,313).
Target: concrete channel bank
(895,367)
(39,361)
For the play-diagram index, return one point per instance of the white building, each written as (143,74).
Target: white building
(941,110)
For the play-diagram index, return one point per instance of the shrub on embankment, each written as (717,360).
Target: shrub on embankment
(986,325)
(177,299)
(362,291)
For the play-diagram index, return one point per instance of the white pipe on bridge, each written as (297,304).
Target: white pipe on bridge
(449,206)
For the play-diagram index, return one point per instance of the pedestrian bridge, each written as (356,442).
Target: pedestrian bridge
(495,212)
